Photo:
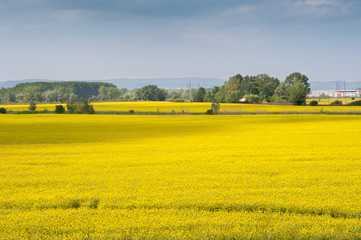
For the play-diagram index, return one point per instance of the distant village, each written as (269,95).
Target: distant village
(335,93)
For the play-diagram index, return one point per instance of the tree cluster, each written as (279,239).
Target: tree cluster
(257,89)
(59,91)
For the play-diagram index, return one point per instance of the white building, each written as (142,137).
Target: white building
(335,93)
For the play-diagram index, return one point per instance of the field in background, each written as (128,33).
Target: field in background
(190,107)
(175,176)
(328,101)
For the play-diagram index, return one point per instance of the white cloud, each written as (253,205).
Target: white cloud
(322,8)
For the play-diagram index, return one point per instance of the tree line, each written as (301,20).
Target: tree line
(254,89)
(259,88)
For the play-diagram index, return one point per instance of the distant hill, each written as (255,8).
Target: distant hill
(172,83)
(333,85)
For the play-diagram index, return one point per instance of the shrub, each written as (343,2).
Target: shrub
(131,111)
(74,203)
(253,98)
(215,107)
(313,103)
(94,202)
(352,98)
(355,103)
(80,107)
(336,102)
(2,110)
(59,109)
(32,106)
(209,112)
(178,100)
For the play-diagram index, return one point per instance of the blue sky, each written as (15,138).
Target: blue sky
(102,39)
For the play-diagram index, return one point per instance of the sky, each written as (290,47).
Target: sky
(108,39)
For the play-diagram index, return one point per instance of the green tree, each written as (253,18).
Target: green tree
(10,96)
(296,76)
(59,109)
(232,96)
(32,106)
(199,96)
(108,93)
(220,95)
(234,83)
(266,85)
(210,95)
(32,94)
(298,93)
(151,93)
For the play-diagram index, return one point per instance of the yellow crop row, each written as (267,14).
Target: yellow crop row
(180,176)
(169,107)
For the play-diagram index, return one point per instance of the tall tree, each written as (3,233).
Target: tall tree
(151,93)
(298,93)
(296,76)
(266,85)
(199,96)
(234,83)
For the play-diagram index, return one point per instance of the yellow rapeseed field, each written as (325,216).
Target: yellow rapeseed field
(180,176)
(190,107)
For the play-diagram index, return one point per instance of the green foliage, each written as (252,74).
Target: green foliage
(129,96)
(313,103)
(355,103)
(336,103)
(209,112)
(54,91)
(271,98)
(291,89)
(109,93)
(73,203)
(59,109)
(94,202)
(199,96)
(281,99)
(32,106)
(210,95)
(234,83)
(174,93)
(178,100)
(237,86)
(298,77)
(80,107)
(298,93)
(151,93)
(215,107)
(32,93)
(266,85)
(253,98)
(232,96)
(2,110)
(352,98)
(221,95)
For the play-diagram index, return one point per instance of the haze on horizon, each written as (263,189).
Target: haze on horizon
(104,39)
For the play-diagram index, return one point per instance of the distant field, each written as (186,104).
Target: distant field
(169,107)
(180,177)
(328,101)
